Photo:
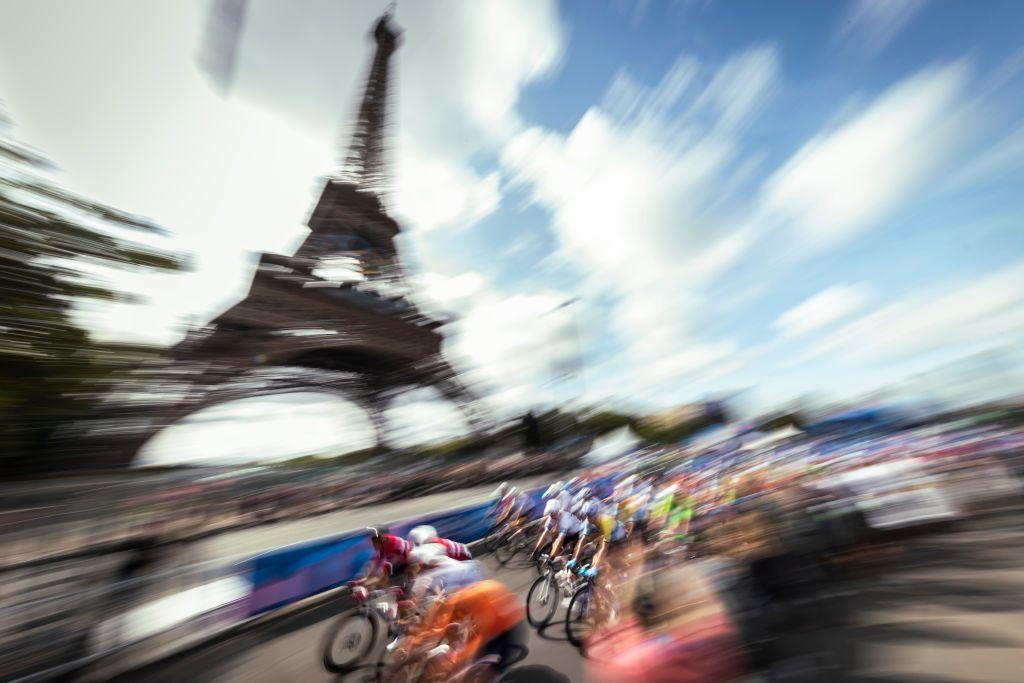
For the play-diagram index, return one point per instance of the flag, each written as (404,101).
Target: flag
(218,53)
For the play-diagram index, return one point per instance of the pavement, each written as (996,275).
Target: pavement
(289,649)
(949,608)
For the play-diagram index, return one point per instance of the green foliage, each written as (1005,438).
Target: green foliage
(52,374)
(775,421)
(600,422)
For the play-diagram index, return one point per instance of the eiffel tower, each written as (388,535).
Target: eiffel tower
(333,317)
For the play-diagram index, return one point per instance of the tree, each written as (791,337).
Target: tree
(53,244)
(598,422)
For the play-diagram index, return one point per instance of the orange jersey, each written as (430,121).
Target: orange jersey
(491,607)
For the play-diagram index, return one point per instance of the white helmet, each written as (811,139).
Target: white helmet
(502,489)
(553,490)
(422,534)
(426,554)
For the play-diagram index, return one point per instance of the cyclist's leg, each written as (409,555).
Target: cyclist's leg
(579,545)
(599,555)
(558,544)
(548,528)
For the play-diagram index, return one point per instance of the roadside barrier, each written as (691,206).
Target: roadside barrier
(177,609)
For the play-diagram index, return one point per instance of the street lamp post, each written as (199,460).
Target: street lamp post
(578,366)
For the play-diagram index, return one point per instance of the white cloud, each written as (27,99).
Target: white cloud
(954,318)
(873,24)
(1001,162)
(112,93)
(692,363)
(634,193)
(644,196)
(461,69)
(436,193)
(422,416)
(276,428)
(252,160)
(510,348)
(845,181)
(442,292)
(824,308)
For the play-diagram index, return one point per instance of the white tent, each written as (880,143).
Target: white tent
(772,438)
(612,445)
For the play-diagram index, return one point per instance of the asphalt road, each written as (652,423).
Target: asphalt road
(289,649)
(950,608)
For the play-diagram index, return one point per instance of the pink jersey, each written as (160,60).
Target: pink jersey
(453,549)
(393,552)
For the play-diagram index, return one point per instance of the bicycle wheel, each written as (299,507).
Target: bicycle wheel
(349,640)
(479,672)
(542,600)
(494,537)
(577,623)
(509,548)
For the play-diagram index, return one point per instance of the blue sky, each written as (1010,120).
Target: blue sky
(781,198)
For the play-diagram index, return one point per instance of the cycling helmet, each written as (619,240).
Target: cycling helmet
(422,534)
(376,532)
(502,489)
(427,554)
(553,490)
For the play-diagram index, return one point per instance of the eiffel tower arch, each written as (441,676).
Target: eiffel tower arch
(335,317)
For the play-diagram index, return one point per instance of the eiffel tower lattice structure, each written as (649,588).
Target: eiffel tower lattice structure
(334,317)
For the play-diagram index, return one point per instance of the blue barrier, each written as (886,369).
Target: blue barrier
(282,576)
(303,570)
(300,571)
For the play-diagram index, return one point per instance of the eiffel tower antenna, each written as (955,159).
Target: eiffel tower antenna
(364,165)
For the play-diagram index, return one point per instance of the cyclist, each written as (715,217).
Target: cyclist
(613,532)
(425,533)
(552,505)
(502,489)
(481,619)
(522,506)
(586,507)
(569,523)
(502,503)
(390,556)
(435,573)
(636,506)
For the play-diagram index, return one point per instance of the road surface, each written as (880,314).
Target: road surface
(952,609)
(289,650)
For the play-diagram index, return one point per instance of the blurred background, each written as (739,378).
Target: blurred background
(268,262)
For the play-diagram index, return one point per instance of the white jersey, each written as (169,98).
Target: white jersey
(551,507)
(446,577)
(569,523)
(585,510)
(587,507)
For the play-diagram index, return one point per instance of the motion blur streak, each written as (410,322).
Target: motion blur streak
(726,300)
